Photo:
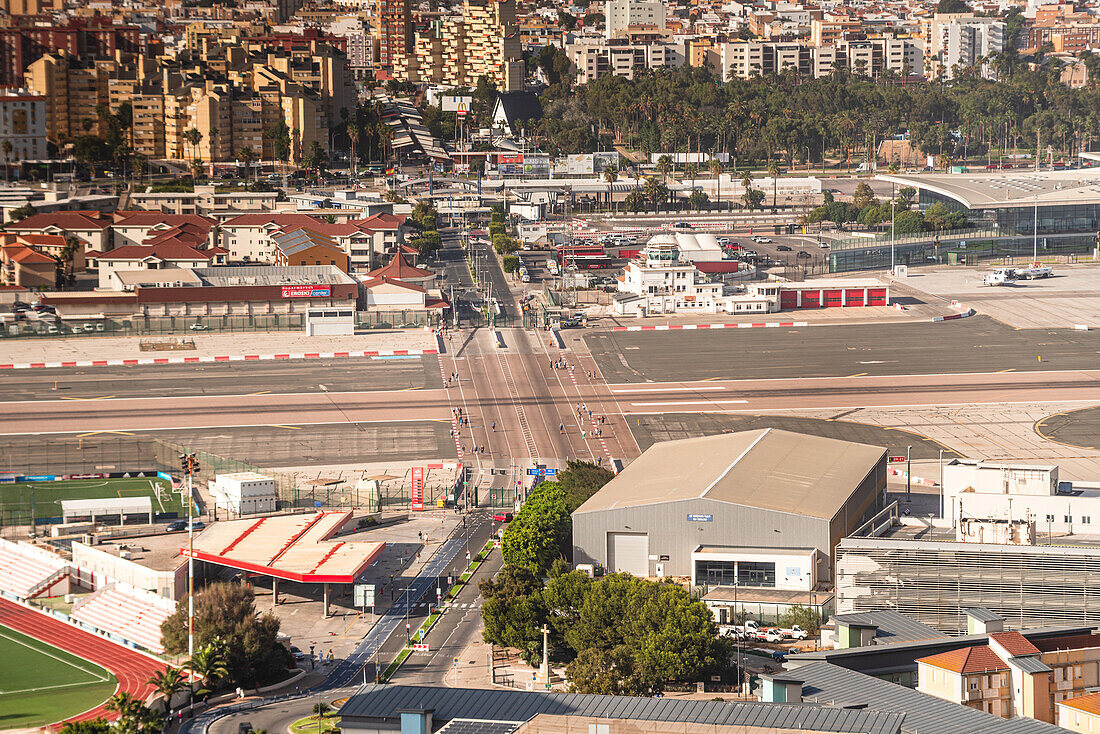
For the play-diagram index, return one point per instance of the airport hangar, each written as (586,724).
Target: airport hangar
(761,508)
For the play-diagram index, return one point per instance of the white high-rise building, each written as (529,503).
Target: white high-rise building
(971,42)
(620,14)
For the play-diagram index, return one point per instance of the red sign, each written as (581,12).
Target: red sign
(513,159)
(307,291)
(418,488)
(896,459)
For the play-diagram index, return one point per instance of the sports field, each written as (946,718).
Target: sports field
(15,498)
(40,684)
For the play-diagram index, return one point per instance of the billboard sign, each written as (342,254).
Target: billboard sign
(456,102)
(306,291)
(418,488)
(363,595)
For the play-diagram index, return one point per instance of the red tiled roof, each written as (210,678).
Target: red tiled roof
(282,220)
(1089,704)
(381,221)
(165,251)
(27,255)
(61,220)
(979,659)
(1014,643)
(142,218)
(398,267)
(392,281)
(48,240)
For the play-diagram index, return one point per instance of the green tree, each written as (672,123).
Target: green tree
(864,196)
(193,136)
(606,672)
(664,167)
(805,617)
(904,197)
(514,613)
(315,158)
(134,717)
(92,726)
(581,480)
(567,21)
(209,665)
(635,200)
(752,198)
(168,683)
(698,199)
(227,612)
(908,222)
(20,213)
(952,6)
(510,263)
(940,217)
(538,535)
(773,171)
(655,192)
(246,156)
(279,136)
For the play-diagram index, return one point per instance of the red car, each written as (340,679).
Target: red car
(503,517)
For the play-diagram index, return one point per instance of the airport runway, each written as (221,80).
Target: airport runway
(976,344)
(531,401)
(223,378)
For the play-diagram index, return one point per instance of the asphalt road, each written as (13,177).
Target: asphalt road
(224,378)
(977,344)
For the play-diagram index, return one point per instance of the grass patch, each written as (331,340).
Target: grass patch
(48,495)
(40,684)
(329,723)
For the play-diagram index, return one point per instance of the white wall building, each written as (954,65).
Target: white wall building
(244,493)
(661,281)
(971,40)
(23,124)
(621,14)
(1019,493)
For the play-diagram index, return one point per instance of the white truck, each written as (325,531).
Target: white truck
(1034,271)
(1000,276)
(794,633)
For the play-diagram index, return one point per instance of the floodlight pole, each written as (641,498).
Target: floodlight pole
(190,564)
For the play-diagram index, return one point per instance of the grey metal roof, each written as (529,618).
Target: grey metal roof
(479,726)
(924,714)
(982,614)
(383,702)
(1030,664)
(892,626)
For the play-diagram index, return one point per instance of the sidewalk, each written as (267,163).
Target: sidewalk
(113,351)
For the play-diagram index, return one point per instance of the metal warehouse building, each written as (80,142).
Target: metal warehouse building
(760,508)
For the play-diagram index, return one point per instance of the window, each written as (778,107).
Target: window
(1050,518)
(974,684)
(1069,519)
(1086,519)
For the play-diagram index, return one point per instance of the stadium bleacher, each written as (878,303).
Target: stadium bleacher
(29,572)
(131,615)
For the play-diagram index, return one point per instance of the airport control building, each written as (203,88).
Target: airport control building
(761,508)
(1014,212)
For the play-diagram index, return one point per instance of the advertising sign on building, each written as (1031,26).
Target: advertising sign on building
(307,291)
(418,488)
(456,102)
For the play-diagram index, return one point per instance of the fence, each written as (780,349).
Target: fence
(192,325)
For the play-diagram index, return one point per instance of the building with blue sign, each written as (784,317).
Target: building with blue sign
(761,509)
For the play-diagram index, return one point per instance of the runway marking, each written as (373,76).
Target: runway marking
(1010,369)
(712,379)
(409,388)
(671,389)
(691,402)
(102,397)
(859,374)
(94,433)
(261,392)
(289,428)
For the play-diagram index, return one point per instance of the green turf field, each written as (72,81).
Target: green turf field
(40,684)
(16,498)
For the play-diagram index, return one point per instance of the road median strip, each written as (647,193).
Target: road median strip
(234,358)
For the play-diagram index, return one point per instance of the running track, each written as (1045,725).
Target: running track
(130,667)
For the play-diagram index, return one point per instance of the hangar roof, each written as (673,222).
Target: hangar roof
(769,469)
(1009,188)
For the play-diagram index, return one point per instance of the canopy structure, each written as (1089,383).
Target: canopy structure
(121,506)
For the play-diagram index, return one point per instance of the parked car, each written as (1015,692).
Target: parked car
(177,526)
(763,240)
(802,254)
(198,327)
(682,225)
(503,517)
(783,248)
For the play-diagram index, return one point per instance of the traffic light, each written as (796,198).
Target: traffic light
(185,462)
(189,464)
(1096,239)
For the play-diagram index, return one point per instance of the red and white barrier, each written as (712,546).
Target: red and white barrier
(206,359)
(914,480)
(674,327)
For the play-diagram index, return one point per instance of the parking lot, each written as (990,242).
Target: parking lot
(1070,297)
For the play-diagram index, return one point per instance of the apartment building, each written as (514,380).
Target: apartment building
(456,49)
(970,43)
(1081,714)
(87,39)
(394,32)
(872,57)
(832,29)
(23,125)
(73,89)
(1014,677)
(619,15)
(595,58)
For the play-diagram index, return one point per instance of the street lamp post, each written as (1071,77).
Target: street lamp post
(893,202)
(1035,232)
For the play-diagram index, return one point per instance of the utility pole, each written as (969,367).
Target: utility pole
(893,202)
(908,469)
(1035,232)
(546,655)
(190,464)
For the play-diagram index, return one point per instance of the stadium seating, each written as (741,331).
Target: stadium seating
(128,615)
(26,573)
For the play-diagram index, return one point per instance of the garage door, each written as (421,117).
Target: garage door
(811,299)
(832,298)
(853,297)
(788,300)
(628,552)
(876,297)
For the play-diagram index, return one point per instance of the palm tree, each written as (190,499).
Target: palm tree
(319,710)
(209,665)
(691,170)
(193,136)
(773,171)
(353,136)
(134,717)
(246,155)
(715,167)
(168,683)
(664,167)
(655,191)
(196,169)
(6,146)
(611,175)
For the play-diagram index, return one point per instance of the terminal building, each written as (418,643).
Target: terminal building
(761,509)
(1012,213)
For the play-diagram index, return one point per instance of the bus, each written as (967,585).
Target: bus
(583,257)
